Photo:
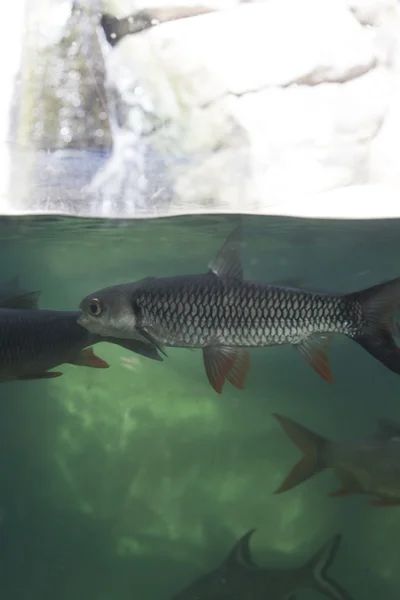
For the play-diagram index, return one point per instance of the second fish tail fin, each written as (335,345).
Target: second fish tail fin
(375,335)
(314,448)
(316,571)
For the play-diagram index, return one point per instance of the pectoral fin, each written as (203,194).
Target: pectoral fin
(150,339)
(136,346)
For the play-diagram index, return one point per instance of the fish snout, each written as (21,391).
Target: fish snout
(83,320)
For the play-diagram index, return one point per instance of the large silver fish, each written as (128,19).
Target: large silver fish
(369,466)
(224,315)
(240,578)
(32,341)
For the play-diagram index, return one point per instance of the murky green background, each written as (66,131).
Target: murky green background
(129,482)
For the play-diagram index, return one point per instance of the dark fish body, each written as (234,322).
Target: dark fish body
(224,314)
(370,466)
(240,578)
(34,341)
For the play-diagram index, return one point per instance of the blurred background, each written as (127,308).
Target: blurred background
(199,106)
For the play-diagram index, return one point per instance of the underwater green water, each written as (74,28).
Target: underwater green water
(129,482)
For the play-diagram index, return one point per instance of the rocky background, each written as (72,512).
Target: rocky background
(270,106)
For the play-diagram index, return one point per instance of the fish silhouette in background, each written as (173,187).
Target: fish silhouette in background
(12,292)
(369,466)
(33,341)
(239,578)
(116,29)
(224,314)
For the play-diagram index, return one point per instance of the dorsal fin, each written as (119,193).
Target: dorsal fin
(388,429)
(24,301)
(240,555)
(228,263)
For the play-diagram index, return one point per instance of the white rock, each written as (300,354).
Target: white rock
(259,47)
(126,7)
(279,109)
(275,106)
(374,12)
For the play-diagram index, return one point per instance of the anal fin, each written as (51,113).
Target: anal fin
(314,350)
(222,363)
(384,502)
(349,484)
(238,373)
(87,358)
(46,375)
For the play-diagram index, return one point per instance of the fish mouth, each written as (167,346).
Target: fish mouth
(83,321)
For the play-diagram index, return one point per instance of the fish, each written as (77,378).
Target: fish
(33,341)
(240,578)
(225,315)
(116,29)
(370,466)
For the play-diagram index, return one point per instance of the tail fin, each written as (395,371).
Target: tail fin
(377,305)
(313,447)
(318,566)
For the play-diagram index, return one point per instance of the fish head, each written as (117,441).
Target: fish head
(232,580)
(109,312)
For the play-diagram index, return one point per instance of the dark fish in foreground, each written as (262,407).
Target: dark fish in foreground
(369,466)
(239,578)
(32,341)
(223,314)
(116,29)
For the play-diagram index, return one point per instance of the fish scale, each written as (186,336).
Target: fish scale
(209,310)
(224,314)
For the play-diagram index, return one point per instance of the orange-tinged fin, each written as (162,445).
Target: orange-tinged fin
(24,301)
(384,502)
(87,358)
(313,447)
(238,373)
(377,304)
(218,362)
(314,350)
(49,375)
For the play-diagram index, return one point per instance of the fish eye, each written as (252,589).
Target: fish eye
(95,307)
